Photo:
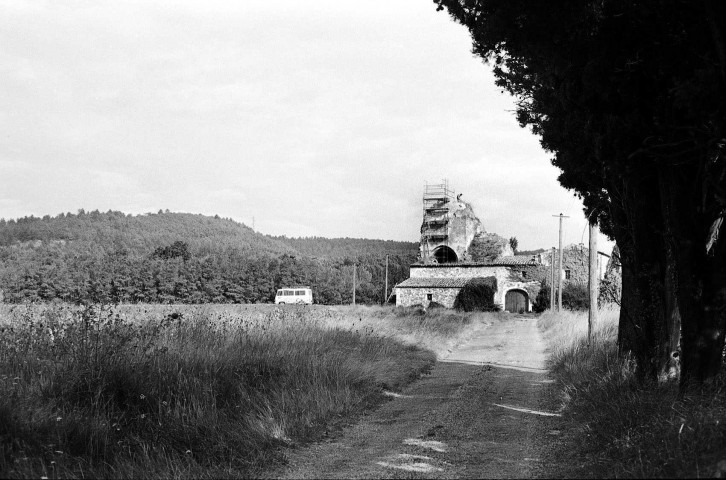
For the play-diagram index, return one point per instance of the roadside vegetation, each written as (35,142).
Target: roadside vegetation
(626,428)
(435,329)
(202,392)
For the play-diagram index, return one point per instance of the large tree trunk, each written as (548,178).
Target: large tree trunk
(711,328)
(629,327)
(645,330)
(631,339)
(714,309)
(691,211)
(672,346)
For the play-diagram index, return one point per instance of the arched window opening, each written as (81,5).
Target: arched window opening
(445,254)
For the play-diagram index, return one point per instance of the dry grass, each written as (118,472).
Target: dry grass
(172,391)
(437,329)
(570,358)
(625,428)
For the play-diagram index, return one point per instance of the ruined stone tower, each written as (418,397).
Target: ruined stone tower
(449,225)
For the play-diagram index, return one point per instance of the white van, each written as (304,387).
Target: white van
(294,295)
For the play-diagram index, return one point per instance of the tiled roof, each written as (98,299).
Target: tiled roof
(427,282)
(515,260)
(498,262)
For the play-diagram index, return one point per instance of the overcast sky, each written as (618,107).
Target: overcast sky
(316,118)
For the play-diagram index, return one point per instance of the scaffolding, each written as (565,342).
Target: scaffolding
(436,202)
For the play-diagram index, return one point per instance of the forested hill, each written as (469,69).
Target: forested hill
(342,248)
(183,258)
(138,233)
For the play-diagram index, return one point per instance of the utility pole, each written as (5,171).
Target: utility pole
(559,270)
(385,289)
(552,280)
(593,281)
(354,283)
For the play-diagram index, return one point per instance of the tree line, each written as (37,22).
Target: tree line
(184,258)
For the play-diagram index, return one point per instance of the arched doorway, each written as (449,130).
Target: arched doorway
(444,254)
(516,301)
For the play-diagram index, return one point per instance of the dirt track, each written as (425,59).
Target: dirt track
(488,410)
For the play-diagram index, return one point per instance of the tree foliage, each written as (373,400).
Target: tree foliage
(630,97)
(477,295)
(514,243)
(183,258)
(177,249)
(486,247)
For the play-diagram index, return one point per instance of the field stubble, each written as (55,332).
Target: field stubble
(621,427)
(197,391)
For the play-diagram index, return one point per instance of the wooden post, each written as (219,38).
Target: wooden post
(354,284)
(559,271)
(385,289)
(593,281)
(552,280)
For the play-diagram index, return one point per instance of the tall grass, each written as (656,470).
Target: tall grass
(570,358)
(626,428)
(435,329)
(196,392)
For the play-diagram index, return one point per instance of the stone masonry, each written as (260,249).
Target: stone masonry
(419,296)
(502,273)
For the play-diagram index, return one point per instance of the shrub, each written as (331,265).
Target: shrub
(477,295)
(542,301)
(575,296)
(487,246)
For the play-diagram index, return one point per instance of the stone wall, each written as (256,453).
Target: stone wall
(464,226)
(407,297)
(531,277)
(611,285)
(575,258)
(507,279)
(456,271)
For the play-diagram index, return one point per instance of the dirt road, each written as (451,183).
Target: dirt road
(488,410)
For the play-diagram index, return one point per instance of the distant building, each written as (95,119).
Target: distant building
(455,249)
(441,283)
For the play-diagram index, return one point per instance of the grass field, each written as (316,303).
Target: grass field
(623,428)
(196,391)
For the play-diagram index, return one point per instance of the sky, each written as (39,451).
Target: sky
(320,118)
